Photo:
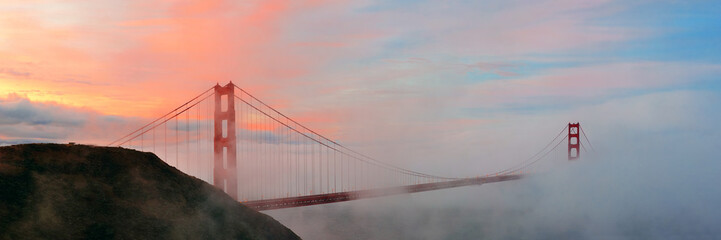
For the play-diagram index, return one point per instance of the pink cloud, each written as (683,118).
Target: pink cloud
(589,82)
(271,46)
(328,63)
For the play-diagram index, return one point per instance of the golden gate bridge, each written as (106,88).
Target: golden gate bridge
(266,160)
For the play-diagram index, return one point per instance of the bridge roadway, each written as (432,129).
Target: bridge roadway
(300,201)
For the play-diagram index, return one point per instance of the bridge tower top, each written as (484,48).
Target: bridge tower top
(573,141)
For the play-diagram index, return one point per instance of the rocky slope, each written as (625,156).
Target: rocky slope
(54,191)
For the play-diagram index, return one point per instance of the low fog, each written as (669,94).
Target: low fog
(654,175)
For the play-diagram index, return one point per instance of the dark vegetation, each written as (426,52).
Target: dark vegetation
(54,191)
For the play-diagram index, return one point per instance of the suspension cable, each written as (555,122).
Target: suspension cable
(534,155)
(542,157)
(176,109)
(586,137)
(166,120)
(324,144)
(338,144)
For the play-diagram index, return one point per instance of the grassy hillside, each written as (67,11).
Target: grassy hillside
(53,191)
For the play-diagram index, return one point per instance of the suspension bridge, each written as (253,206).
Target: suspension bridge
(267,160)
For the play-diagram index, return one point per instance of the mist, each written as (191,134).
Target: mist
(645,180)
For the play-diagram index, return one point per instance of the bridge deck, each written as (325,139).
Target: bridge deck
(289,202)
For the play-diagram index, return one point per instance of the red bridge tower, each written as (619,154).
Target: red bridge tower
(225,165)
(573,143)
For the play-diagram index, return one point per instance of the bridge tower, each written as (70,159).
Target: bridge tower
(224,164)
(573,141)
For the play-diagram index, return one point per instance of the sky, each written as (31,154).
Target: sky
(429,65)
(447,87)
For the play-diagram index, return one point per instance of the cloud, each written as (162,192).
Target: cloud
(501,28)
(14,73)
(8,142)
(501,69)
(593,82)
(281,50)
(24,121)
(15,109)
(81,82)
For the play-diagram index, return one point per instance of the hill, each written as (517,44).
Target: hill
(55,191)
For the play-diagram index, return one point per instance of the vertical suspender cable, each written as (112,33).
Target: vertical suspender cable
(187,140)
(320,168)
(335,173)
(197,141)
(176,141)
